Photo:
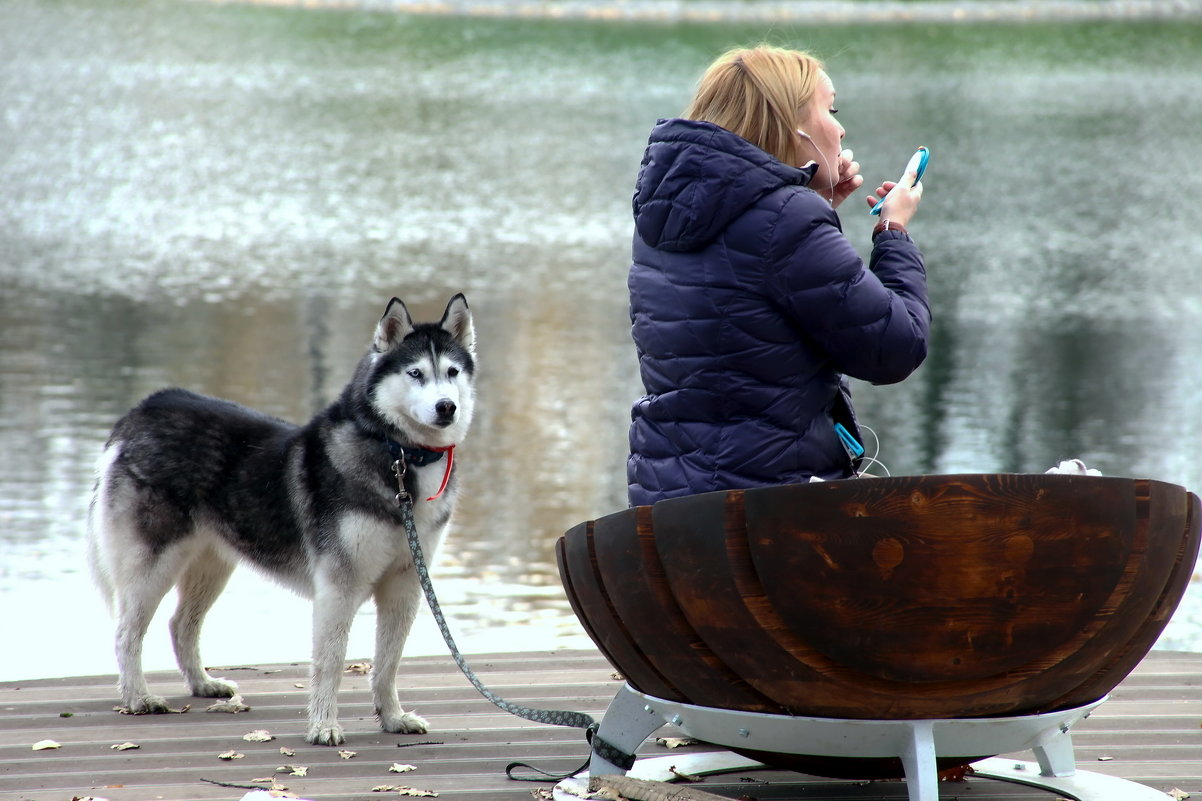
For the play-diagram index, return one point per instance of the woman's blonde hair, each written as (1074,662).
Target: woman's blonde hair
(758,93)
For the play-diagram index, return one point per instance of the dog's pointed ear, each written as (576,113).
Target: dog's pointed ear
(457,321)
(395,325)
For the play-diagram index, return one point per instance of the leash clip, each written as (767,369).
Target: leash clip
(398,469)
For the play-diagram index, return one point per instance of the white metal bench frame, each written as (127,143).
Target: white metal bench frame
(634,716)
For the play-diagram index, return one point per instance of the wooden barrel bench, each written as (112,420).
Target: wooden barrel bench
(905,598)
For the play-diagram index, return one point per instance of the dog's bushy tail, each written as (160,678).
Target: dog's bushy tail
(96,566)
(99,574)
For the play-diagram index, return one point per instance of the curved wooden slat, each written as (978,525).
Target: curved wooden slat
(1074,672)
(1176,516)
(634,581)
(574,534)
(702,579)
(604,624)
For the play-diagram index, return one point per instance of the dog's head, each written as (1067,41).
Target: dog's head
(422,375)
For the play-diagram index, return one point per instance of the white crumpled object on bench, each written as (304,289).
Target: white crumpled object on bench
(1074,467)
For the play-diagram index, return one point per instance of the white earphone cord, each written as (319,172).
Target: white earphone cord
(825,163)
(868,461)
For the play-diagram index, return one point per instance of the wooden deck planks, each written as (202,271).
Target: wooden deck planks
(1149,731)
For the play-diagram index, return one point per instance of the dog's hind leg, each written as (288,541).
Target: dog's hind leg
(136,575)
(397,596)
(202,581)
(138,596)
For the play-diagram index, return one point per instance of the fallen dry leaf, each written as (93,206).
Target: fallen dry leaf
(674,742)
(400,789)
(231,754)
(124,710)
(397,767)
(293,770)
(684,777)
(45,745)
(233,705)
(124,746)
(1178,794)
(582,791)
(258,736)
(359,667)
(346,754)
(958,773)
(286,751)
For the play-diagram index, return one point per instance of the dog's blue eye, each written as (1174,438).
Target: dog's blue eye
(414,373)
(452,372)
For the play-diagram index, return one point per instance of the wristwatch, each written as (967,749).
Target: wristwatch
(888,225)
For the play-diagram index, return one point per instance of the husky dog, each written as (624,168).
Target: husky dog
(190,485)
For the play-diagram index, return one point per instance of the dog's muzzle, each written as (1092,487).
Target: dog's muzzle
(445,410)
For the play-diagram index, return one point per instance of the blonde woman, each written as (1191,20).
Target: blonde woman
(749,306)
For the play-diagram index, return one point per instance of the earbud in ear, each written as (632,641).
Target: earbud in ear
(825,163)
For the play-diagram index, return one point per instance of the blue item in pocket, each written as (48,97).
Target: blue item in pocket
(854,449)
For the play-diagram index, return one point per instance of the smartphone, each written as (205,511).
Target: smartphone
(917,163)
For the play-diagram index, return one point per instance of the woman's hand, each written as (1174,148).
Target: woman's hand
(903,203)
(849,179)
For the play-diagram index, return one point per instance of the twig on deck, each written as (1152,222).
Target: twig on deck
(234,785)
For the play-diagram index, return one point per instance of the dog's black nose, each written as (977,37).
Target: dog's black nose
(445,409)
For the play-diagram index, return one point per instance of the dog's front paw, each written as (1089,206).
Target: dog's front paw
(325,733)
(406,723)
(146,705)
(215,688)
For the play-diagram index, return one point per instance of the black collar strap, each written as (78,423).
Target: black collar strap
(414,456)
(419,456)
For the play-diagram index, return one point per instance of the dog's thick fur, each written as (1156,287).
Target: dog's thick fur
(190,485)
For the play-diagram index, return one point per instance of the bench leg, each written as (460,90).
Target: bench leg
(627,723)
(1055,755)
(922,776)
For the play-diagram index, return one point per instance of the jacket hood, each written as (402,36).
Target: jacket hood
(696,178)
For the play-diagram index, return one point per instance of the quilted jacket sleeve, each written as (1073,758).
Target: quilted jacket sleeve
(874,322)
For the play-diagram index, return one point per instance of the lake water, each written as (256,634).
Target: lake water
(225,197)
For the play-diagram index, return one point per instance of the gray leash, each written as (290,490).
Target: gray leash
(551,717)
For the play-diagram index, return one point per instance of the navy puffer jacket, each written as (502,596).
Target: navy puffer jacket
(749,307)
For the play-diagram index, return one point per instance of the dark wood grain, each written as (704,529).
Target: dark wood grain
(592,604)
(898,598)
(634,582)
(705,580)
(920,581)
